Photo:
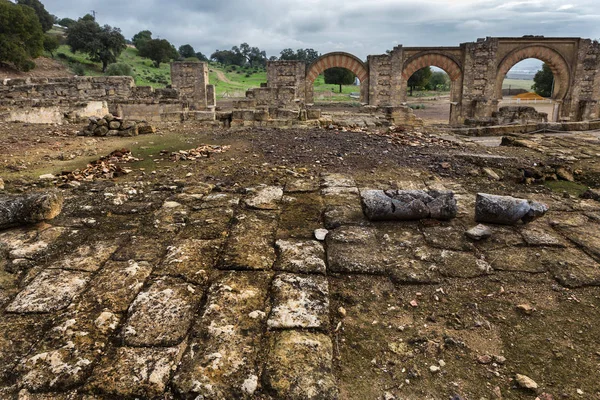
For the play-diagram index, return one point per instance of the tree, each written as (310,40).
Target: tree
(103,44)
(140,38)
(159,51)
(186,51)
(201,56)
(543,81)
(439,81)
(44,16)
(228,57)
(419,79)
(66,22)
(307,55)
(339,76)
(50,44)
(21,36)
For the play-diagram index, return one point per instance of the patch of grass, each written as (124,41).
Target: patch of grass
(573,188)
(517,84)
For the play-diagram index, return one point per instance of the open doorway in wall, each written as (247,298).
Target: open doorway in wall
(428,94)
(337,87)
(530,83)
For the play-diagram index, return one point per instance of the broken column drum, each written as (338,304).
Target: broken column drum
(507,210)
(406,205)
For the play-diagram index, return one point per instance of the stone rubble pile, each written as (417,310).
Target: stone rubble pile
(107,167)
(399,135)
(110,125)
(203,151)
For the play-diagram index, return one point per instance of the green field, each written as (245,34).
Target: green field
(517,84)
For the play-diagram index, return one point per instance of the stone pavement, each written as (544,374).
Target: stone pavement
(184,292)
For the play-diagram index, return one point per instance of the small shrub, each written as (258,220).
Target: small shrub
(119,69)
(78,69)
(248,75)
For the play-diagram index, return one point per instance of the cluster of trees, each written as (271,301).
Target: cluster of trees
(23,28)
(241,56)
(306,55)
(543,81)
(426,79)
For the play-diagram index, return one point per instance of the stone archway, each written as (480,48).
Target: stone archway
(447,63)
(556,62)
(343,60)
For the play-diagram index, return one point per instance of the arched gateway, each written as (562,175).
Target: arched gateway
(342,60)
(476,69)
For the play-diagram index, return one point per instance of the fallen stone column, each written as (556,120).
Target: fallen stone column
(29,208)
(407,205)
(507,210)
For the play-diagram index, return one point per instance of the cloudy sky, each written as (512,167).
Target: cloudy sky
(360,27)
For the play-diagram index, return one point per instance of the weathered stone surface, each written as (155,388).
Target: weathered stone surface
(301,185)
(362,250)
(88,258)
(265,198)
(446,237)
(208,224)
(51,290)
(171,217)
(68,352)
(337,180)
(521,260)
(301,214)
(299,302)
(506,210)
(535,236)
(17,335)
(136,372)
(455,264)
(587,236)
(190,259)
(225,342)
(251,242)
(300,366)
(304,256)
(161,315)
(338,215)
(116,285)
(572,268)
(406,205)
(141,248)
(219,200)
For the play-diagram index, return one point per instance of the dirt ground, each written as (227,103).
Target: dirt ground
(45,68)
(173,281)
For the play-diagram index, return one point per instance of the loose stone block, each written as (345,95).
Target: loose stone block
(506,210)
(136,372)
(304,256)
(51,290)
(251,242)
(225,343)
(299,366)
(265,198)
(299,302)
(406,205)
(161,315)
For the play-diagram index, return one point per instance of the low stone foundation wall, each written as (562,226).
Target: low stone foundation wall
(528,128)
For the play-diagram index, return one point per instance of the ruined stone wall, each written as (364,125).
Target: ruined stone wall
(47,100)
(287,74)
(381,82)
(190,79)
(55,91)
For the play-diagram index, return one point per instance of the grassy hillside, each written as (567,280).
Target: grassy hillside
(517,84)
(229,81)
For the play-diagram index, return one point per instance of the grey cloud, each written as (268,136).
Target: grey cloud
(357,26)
